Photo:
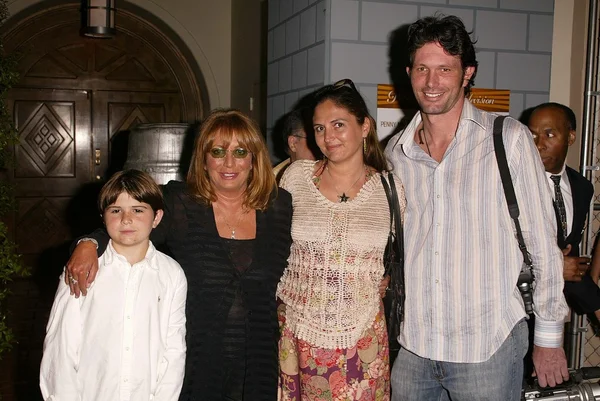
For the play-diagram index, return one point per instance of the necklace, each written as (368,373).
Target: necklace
(229,226)
(343,197)
(421,136)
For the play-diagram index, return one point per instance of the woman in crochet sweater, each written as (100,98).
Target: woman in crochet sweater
(333,341)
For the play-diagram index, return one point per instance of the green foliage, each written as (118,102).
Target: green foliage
(11,265)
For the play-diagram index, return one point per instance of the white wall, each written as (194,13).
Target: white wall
(568,63)
(203,25)
(296,64)
(514,43)
(248,57)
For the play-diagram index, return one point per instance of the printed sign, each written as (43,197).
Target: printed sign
(494,100)
(389,114)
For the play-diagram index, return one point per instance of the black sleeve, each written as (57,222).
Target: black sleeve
(288,211)
(160,234)
(99,235)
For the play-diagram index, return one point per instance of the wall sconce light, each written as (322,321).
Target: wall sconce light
(98,18)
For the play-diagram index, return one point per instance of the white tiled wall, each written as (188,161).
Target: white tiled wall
(295,54)
(326,40)
(492,31)
(379,19)
(344,19)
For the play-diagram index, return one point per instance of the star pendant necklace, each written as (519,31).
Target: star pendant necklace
(343,197)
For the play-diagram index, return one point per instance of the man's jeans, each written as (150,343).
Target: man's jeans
(498,379)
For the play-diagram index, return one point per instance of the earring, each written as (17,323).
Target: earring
(365,145)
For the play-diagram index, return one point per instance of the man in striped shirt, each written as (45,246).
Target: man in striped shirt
(464,334)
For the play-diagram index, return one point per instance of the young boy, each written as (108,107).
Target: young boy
(132,321)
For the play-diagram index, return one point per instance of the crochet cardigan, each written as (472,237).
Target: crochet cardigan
(330,287)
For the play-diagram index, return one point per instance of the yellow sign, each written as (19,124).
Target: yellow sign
(494,100)
(389,113)
(386,97)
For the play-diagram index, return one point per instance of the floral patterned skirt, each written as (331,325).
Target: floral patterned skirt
(309,373)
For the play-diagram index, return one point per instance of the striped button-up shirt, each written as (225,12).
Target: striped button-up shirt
(462,256)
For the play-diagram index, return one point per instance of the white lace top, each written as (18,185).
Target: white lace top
(330,286)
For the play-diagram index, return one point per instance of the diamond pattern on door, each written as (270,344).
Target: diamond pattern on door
(45,216)
(135,117)
(44,144)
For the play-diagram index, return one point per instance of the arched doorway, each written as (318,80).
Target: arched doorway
(76,98)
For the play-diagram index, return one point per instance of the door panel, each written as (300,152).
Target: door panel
(52,163)
(94,91)
(54,153)
(115,113)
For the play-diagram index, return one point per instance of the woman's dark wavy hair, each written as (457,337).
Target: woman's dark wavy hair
(450,32)
(350,99)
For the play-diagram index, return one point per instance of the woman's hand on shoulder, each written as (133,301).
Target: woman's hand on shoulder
(81,269)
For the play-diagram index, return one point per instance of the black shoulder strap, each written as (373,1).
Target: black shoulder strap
(395,216)
(388,195)
(395,269)
(397,220)
(509,190)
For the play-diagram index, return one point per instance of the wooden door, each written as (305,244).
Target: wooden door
(116,112)
(61,161)
(71,128)
(52,163)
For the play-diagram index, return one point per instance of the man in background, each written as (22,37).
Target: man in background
(295,139)
(553,126)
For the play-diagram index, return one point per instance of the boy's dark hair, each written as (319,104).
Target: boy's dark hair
(138,184)
(450,32)
(568,113)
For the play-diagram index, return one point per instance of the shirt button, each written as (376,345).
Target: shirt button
(125,380)
(126,348)
(438,196)
(437,281)
(129,317)
(437,253)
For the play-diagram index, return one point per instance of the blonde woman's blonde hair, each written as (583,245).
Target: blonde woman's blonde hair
(229,123)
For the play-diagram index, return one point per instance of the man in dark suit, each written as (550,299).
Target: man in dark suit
(553,126)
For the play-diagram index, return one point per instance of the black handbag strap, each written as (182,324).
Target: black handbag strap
(509,190)
(395,218)
(388,195)
(395,267)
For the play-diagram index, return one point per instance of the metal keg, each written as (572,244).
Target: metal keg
(156,149)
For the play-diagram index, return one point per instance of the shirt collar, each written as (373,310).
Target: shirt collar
(562,173)
(110,254)
(472,113)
